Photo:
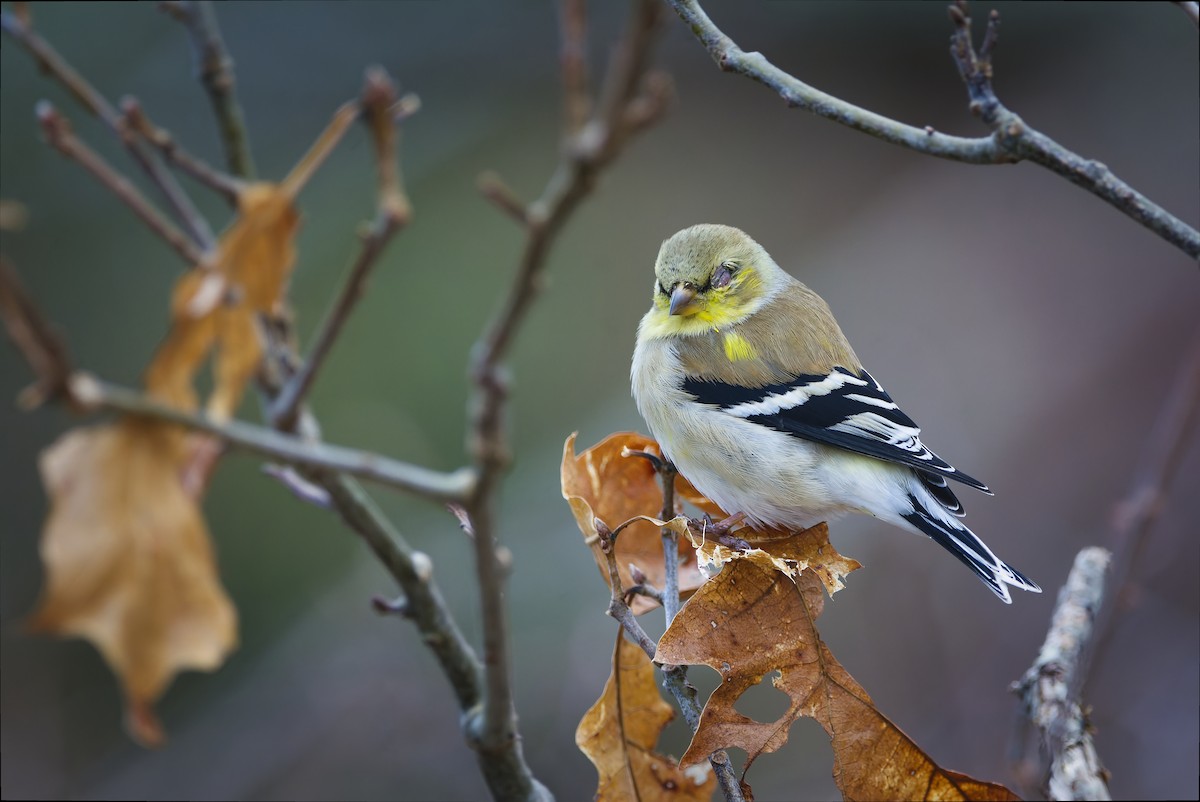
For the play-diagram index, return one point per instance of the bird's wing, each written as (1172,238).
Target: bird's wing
(843,409)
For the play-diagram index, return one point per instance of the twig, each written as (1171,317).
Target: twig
(214,68)
(1046,688)
(492,187)
(425,606)
(226,185)
(640,586)
(1135,516)
(1011,141)
(617,608)
(34,338)
(392,213)
(57,130)
(573,65)
(670,542)
(585,153)
(674,677)
(21,30)
(675,681)
(669,597)
(91,393)
(319,151)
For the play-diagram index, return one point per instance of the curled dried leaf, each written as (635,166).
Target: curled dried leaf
(620,731)
(790,553)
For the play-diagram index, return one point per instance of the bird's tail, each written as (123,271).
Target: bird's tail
(960,541)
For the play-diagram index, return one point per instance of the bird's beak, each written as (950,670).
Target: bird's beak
(683,300)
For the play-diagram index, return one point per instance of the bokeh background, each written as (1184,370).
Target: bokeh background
(1033,331)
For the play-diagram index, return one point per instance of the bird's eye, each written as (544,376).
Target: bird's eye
(723,274)
(662,289)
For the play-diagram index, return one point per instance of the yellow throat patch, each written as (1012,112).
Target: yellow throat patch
(738,348)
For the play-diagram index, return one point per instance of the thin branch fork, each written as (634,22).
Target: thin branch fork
(58,133)
(214,68)
(35,338)
(379,102)
(1012,139)
(674,677)
(134,116)
(20,28)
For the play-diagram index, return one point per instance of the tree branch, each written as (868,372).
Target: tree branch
(59,135)
(423,602)
(585,153)
(1046,689)
(392,213)
(214,68)
(225,185)
(1012,139)
(35,338)
(21,30)
(92,394)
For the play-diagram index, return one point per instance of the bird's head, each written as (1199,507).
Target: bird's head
(710,276)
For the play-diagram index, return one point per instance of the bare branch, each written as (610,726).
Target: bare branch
(135,118)
(424,606)
(617,607)
(573,64)
(35,338)
(492,187)
(50,62)
(585,153)
(58,133)
(1046,690)
(1011,141)
(392,213)
(91,393)
(214,68)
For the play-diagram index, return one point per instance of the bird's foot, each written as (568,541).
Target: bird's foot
(722,531)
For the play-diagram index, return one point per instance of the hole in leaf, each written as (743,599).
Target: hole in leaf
(763,702)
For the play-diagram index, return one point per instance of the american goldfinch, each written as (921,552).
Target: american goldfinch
(752,390)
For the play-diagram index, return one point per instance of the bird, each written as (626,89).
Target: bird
(754,394)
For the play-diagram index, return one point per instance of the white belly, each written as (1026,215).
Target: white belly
(773,478)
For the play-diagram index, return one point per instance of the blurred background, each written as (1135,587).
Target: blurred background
(1029,328)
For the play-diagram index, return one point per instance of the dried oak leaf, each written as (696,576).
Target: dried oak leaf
(752,620)
(604,483)
(128,559)
(129,565)
(619,733)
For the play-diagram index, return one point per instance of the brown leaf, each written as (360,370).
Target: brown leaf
(216,306)
(128,561)
(602,483)
(752,620)
(619,733)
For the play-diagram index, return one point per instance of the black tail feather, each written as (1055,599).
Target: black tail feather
(970,551)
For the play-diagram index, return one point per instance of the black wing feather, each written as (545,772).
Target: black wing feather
(850,411)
